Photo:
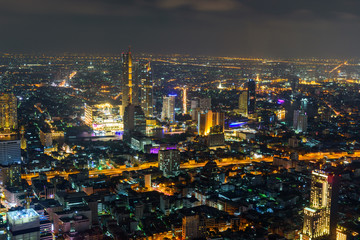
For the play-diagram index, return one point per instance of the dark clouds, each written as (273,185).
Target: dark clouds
(208,27)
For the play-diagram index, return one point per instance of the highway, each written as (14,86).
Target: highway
(221,163)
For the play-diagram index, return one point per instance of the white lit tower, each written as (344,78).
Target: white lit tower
(168,109)
(320,218)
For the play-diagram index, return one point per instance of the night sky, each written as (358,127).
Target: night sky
(278,28)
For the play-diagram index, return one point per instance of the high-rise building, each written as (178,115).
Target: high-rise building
(321,216)
(134,120)
(10,176)
(199,105)
(10,152)
(243,103)
(251,90)
(127,79)
(146,95)
(211,122)
(168,109)
(191,227)
(205,104)
(169,162)
(300,121)
(8,112)
(294,83)
(88,114)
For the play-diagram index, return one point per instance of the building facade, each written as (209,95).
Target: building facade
(321,216)
(168,109)
(127,79)
(169,162)
(8,112)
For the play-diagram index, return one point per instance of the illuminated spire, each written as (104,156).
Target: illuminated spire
(184,100)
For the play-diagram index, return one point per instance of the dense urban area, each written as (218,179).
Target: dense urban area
(140,146)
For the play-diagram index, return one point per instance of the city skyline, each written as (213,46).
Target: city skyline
(180,119)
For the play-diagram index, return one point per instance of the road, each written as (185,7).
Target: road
(221,163)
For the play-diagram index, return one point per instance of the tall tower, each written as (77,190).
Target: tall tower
(184,101)
(210,122)
(320,218)
(300,121)
(127,79)
(168,109)
(251,94)
(8,112)
(134,120)
(146,90)
(294,83)
(243,103)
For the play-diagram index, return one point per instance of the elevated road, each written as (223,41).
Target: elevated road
(221,163)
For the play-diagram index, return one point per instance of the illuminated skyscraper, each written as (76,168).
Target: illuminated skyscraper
(320,217)
(251,92)
(8,112)
(146,95)
(127,79)
(168,109)
(184,100)
(243,103)
(211,122)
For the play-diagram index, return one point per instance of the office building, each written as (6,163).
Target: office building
(24,224)
(8,112)
(210,122)
(216,139)
(10,152)
(321,216)
(251,92)
(294,84)
(169,162)
(134,120)
(199,105)
(168,109)
(190,227)
(146,90)
(204,104)
(300,121)
(247,99)
(127,79)
(10,176)
(46,138)
(243,103)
